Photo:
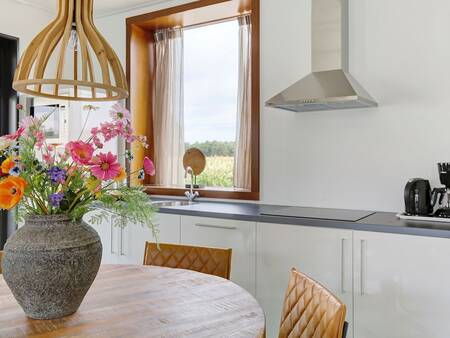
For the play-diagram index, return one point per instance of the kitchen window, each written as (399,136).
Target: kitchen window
(210,79)
(203,75)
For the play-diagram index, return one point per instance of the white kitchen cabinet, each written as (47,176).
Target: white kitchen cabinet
(401,286)
(322,253)
(127,245)
(136,236)
(237,235)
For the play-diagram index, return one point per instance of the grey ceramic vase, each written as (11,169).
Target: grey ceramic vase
(50,263)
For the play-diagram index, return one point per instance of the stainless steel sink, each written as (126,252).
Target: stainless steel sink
(163,204)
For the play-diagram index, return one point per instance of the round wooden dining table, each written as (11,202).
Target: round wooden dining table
(145,301)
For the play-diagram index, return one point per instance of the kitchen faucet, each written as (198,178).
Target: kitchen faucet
(191,195)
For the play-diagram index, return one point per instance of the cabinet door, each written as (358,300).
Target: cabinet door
(237,235)
(323,254)
(107,233)
(401,286)
(134,236)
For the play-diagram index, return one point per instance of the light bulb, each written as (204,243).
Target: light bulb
(73,39)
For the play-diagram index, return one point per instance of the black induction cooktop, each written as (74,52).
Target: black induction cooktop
(319,213)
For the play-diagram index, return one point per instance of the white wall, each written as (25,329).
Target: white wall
(22,21)
(359,159)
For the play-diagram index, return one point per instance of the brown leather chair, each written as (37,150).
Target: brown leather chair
(212,261)
(311,311)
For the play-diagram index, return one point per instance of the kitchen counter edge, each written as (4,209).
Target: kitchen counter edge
(386,222)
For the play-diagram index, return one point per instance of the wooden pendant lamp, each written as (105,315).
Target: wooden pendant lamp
(71,60)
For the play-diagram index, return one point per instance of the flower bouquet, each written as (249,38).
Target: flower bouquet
(51,190)
(42,181)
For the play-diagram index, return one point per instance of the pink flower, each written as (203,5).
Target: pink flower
(48,158)
(19,106)
(118,112)
(40,139)
(106,167)
(149,167)
(63,156)
(71,170)
(28,122)
(97,142)
(80,151)
(16,135)
(142,140)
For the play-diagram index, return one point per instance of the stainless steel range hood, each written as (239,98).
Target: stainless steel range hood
(329,86)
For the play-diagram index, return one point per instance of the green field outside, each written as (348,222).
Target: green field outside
(218,172)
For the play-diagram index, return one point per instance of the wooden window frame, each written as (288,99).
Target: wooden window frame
(140,69)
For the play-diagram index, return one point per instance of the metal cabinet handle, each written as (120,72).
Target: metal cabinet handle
(215,226)
(111,238)
(342,281)
(121,241)
(363,267)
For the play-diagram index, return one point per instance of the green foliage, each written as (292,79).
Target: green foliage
(128,205)
(214,148)
(218,172)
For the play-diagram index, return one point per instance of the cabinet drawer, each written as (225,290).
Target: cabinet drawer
(237,235)
(401,286)
(169,232)
(321,253)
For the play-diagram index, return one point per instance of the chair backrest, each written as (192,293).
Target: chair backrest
(1,254)
(310,310)
(213,261)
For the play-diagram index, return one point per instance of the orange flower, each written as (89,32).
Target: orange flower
(12,189)
(122,175)
(7,165)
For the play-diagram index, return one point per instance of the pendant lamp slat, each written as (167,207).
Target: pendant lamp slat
(49,44)
(96,44)
(69,40)
(87,66)
(29,56)
(64,43)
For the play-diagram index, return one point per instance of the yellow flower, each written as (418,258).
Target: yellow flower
(92,184)
(121,176)
(7,165)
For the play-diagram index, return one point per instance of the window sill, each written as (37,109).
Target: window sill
(224,193)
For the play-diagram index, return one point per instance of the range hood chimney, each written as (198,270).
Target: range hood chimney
(329,86)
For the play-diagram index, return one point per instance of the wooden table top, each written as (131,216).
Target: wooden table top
(145,301)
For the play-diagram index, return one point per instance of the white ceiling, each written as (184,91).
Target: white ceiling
(101,7)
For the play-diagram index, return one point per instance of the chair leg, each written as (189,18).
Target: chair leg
(344,331)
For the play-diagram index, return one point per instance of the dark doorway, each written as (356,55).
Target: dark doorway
(8,112)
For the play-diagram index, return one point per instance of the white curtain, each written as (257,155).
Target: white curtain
(168,121)
(242,162)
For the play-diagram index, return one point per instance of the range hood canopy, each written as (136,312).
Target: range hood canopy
(330,86)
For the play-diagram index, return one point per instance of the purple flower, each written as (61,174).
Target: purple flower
(141,174)
(55,199)
(57,175)
(15,171)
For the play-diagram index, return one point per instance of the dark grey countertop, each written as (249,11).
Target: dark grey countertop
(378,221)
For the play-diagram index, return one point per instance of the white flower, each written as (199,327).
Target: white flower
(5,143)
(90,107)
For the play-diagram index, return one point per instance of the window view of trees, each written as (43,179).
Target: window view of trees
(214,148)
(210,98)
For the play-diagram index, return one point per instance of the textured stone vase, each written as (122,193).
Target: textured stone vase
(50,263)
